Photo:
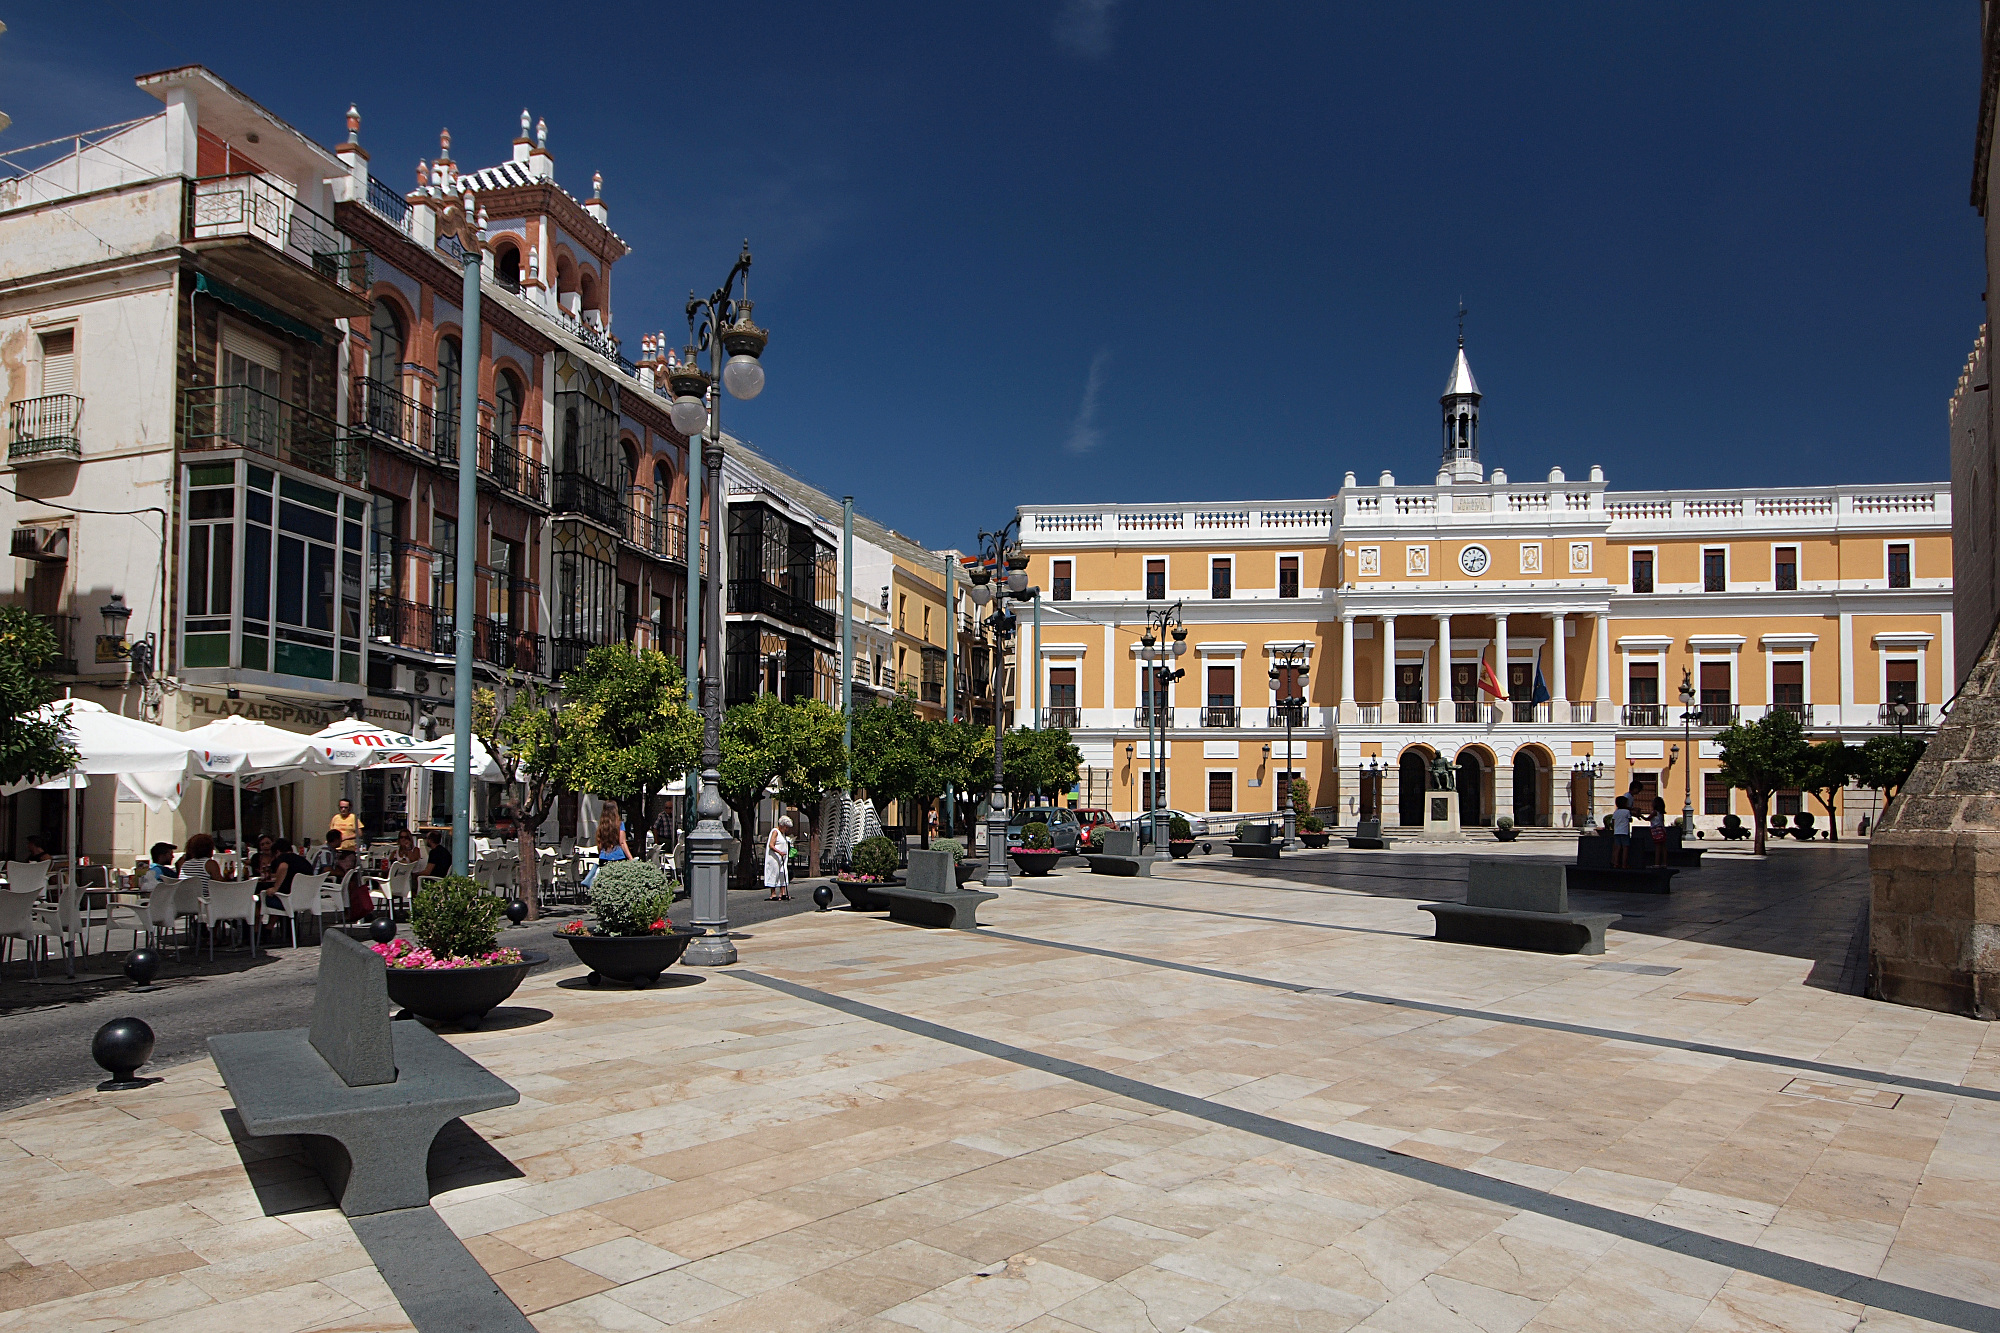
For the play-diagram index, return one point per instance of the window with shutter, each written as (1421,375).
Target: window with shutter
(59,362)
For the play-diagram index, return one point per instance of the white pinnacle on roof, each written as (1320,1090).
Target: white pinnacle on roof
(1461,376)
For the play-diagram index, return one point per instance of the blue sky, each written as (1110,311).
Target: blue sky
(1096,250)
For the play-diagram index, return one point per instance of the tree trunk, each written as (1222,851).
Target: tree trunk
(923,824)
(1758,805)
(527,872)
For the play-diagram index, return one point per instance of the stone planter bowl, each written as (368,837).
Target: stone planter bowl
(461,995)
(1036,861)
(1179,848)
(1319,839)
(636,960)
(1506,834)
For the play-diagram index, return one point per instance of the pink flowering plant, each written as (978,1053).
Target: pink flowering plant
(457,925)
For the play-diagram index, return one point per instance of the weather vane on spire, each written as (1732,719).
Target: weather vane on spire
(1461,321)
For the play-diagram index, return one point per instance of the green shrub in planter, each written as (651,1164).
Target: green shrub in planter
(1035,836)
(1311,824)
(1777,823)
(1179,830)
(455,917)
(627,897)
(1503,823)
(952,845)
(1097,837)
(876,856)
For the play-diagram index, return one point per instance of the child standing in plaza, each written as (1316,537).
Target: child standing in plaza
(1659,832)
(1621,832)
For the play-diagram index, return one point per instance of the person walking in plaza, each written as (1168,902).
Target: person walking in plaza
(610,840)
(1659,830)
(1621,833)
(778,861)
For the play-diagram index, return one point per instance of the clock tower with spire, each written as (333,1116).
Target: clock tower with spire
(1461,422)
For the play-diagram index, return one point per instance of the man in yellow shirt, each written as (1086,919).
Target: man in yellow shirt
(347,824)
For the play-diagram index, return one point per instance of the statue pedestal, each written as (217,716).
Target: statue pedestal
(1441,818)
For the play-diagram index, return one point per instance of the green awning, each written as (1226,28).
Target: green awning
(256,309)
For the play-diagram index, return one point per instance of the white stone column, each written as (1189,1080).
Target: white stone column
(1603,650)
(1389,710)
(1445,711)
(1558,655)
(1346,669)
(1504,703)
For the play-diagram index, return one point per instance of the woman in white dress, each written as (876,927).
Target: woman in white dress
(778,861)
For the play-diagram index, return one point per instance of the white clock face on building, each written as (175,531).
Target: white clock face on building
(1473,559)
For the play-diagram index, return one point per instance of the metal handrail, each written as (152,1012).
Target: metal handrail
(390,414)
(386,203)
(45,426)
(236,416)
(1644,715)
(510,469)
(1219,715)
(265,209)
(1069,719)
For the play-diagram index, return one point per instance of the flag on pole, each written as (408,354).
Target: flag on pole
(1488,681)
(1541,695)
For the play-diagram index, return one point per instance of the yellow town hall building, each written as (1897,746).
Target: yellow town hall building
(1591,607)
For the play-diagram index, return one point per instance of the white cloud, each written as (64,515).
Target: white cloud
(1084,434)
(1083,28)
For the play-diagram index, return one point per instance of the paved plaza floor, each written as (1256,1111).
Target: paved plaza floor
(1235,1097)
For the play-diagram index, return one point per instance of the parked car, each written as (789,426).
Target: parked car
(1197,824)
(1064,831)
(1089,817)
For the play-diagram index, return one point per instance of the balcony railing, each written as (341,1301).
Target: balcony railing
(515,473)
(566,655)
(389,414)
(578,494)
(1069,719)
(1162,716)
(44,427)
(506,647)
(1286,715)
(1803,712)
(259,207)
(1410,711)
(1466,711)
(1904,714)
(423,629)
(754,596)
(1579,712)
(236,416)
(387,204)
(1219,715)
(663,535)
(1715,715)
(931,691)
(1645,715)
(1369,715)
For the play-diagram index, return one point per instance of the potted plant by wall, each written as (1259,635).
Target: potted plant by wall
(874,862)
(1312,830)
(1504,830)
(1777,823)
(1802,826)
(1732,827)
(1037,855)
(454,971)
(1180,837)
(630,938)
(961,869)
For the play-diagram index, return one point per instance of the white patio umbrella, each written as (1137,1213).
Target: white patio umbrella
(272,755)
(373,746)
(484,767)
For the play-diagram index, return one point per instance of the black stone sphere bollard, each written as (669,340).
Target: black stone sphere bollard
(121,1046)
(382,928)
(517,911)
(823,897)
(142,965)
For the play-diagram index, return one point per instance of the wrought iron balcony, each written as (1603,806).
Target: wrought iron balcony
(1467,711)
(1287,714)
(1160,716)
(576,493)
(44,428)
(754,596)
(506,647)
(1645,715)
(390,415)
(1219,715)
(387,204)
(423,629)
(1411,711)
(236,416)
(514,472)
(1803,712)
(662,534)
(1715,715)
(259,208)
(1069,719)
(1904,713)
(567,654)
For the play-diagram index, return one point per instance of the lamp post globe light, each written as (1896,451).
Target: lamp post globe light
(1687,748)
(999,553)
(1289,661)
(717,323)
(1157,653)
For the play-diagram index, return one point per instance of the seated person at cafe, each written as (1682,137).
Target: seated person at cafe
(36,850)
(201,851)
(407,850)
(440,857)
(160,862)
(286,866)
(329,852)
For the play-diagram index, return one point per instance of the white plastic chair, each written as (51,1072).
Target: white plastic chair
(28,877)
(187,900)
(149,917)
(18,921)
(66,922)
(331,897)
(402,883)
(233,902)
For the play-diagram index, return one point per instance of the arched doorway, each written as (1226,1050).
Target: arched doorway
(1474,790)
(1531,786)
(1411,781)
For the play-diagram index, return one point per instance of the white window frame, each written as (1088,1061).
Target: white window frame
(1701,575)
(1888,542)
(1798,578)
(43,332)
(1234,587)
(1630,553)
(1278,559)
(1071,561)
(1902,644)
(1208,775)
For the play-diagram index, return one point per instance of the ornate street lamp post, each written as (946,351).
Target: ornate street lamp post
(1687,748)
(1159,626)
(718,324)
(1292,660)
(999,552)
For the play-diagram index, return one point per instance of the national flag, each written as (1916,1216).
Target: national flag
(1488,681)
(1541,694)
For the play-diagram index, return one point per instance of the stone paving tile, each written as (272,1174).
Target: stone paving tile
(727,1156)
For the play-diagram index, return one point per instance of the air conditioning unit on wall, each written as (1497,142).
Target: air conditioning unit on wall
(424,682)
(41,543)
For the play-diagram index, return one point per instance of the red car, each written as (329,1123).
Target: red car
(1089,817)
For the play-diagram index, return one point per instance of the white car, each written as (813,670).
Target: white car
(1197,824)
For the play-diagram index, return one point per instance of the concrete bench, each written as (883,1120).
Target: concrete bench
(1519,904)
(1594,851)
(1603,879)
(365,1096)
(1367,837)
(1120,856)
(931,895)
(1255,840)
